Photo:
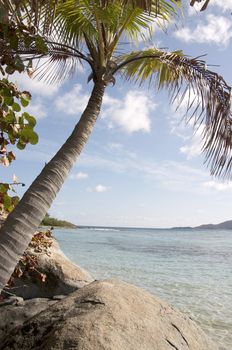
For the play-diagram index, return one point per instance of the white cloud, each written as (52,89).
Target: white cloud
(155,26)
(193,10)
(194,147)
(41,153)
(132,113)
(171,175)
(223,4)
(79,176)
(73,101)
(37,109)
(217,30)
(34,86)
(115,146)
(218,186)
(99,189)
(180,110)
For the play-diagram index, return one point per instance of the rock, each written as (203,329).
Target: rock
(109,315)
(16,300)
(63,277)
(58,297)
(12,316)
(12,300)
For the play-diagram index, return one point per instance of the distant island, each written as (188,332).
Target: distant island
(226,225)
(49,221)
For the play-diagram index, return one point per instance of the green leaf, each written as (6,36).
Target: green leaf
(40,45)
(11,207)
(12,137)
(21,145)
(28,134)
(26,95)
(14,40)
(19,66)
(3,188)
(16,107)
(25,98)
(24,102)
(27,41)
(8,100)
(34,138)
(31,120)
(6,91)
(10,70)
(6,202)
(163,73)
(9,117)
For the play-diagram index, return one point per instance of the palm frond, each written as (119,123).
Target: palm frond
(57,64)
(182,76)
(104,22)
(205,5)
(37,14)
(146,5)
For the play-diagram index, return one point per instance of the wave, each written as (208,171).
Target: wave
(100,229)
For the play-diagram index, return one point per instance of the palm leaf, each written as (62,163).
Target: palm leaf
(146,5)
(205,5)
(95,27)
(37,14)
(57,64)
(208,105)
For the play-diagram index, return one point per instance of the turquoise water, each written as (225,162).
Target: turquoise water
(190,269)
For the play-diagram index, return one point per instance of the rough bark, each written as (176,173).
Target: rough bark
(18,229)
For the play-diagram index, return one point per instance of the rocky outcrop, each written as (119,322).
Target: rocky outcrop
(62,276)
(19,311)
(109,315)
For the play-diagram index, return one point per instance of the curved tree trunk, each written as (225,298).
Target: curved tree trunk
(20,225)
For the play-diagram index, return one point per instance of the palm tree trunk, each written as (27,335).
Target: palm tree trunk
(20,225)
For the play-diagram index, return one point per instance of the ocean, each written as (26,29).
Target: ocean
(191,269)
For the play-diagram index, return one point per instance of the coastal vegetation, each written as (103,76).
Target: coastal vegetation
(97,34)
(50,221)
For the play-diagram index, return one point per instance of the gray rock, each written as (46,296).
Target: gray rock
(14,315)
(109,315)
(63,277)
(58,297)
(12,300)
(17,300)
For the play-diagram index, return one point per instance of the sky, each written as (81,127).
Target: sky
(143,165)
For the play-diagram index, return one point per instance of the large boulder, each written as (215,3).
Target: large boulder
(19,311)
(62,276)
(109,315)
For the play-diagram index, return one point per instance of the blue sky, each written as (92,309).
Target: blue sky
(142,166)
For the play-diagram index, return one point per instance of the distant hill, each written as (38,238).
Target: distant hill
(226,225)
(49,221)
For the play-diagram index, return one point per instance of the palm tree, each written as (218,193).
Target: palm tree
(95,32)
